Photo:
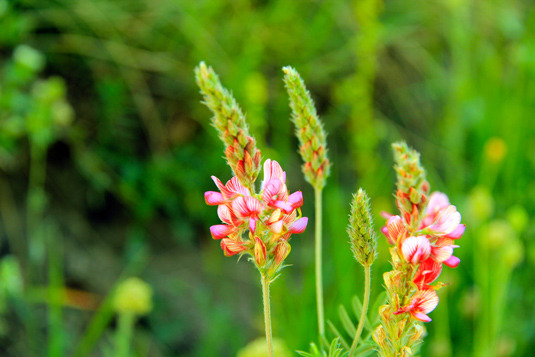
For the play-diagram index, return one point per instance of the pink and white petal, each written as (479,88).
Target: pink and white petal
(296,199)
(219,184)
(272,169)
(298,226)
(235,188)
(231,247)
(221,230)
(276,227)
(239,206)
(254,206)
(284,206)
(428,301)
(420,316)
(437,202)
(395,228)
(416,249)
(452,261)
(224,213)
(271,190)
(442,253)
(446,221)
(213,198)
(457,232)
(289,218)
(386,215)
(252,224)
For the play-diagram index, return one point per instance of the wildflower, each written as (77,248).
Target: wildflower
(416,249)
(248,207)
(427,272)
(422,303)
(232,247)
(394,229)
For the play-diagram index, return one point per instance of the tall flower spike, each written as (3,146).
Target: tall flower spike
(309,130)
(411,183)
(361,232)
(242,155)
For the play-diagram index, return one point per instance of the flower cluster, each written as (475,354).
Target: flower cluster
(427,249)
(423,238)
(269,217)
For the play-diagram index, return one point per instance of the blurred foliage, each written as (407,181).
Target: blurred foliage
(99,97)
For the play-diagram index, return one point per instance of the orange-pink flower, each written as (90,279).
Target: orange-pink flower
(232,247)
(422,303)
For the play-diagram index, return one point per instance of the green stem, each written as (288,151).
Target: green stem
(367,280)
(124,334)
(55,292)
(267,313)
(319,279)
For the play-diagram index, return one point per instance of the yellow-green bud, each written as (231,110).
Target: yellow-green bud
(361,232)
(133,296)
(308,129)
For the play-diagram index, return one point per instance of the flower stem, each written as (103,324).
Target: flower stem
(267,313)
(367,279)
(319,279)
(124,334)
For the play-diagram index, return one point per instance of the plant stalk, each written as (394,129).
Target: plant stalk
(363,314)
(319,277)
(267,313)
(124,334)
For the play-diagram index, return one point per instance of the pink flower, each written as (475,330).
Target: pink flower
(248,207)
(275,195)
(416,249)
(422,303)
(394,229)
(227,215)
(231,247)
(428,271)
(437,202)
(446,221)
(272,170)
(232,189)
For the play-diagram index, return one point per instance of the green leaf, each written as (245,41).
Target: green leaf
(346,321)
(357,308)
(338,334)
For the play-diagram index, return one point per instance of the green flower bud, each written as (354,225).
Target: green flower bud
(361,232)
(133,296)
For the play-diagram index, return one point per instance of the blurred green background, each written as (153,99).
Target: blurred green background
(106,151)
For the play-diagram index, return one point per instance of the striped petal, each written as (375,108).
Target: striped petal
(447,221)
(213,198)
(221,230)
(231,247)
(442,253)
(299,226)
(416,249)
